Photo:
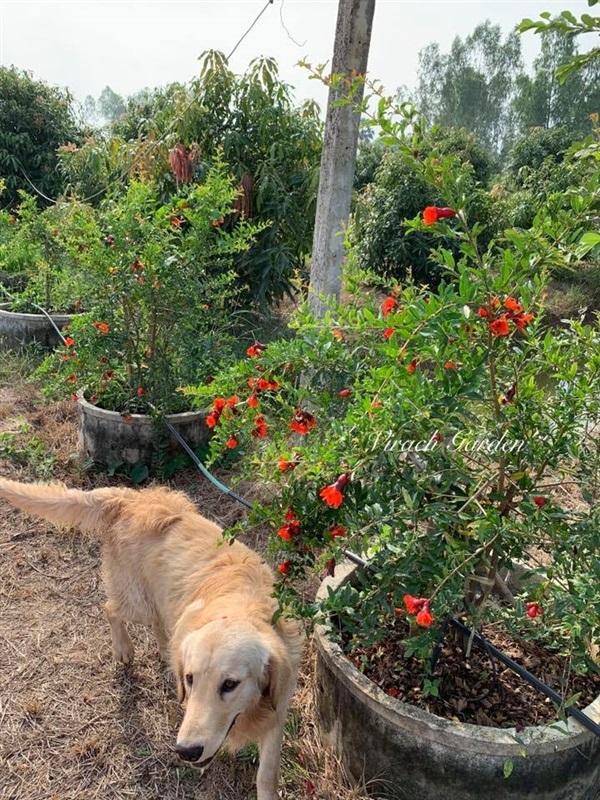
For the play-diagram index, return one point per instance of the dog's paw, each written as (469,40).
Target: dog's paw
(123,652)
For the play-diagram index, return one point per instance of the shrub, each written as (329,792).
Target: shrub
(35,119)
(52,255)
(398,194)
(430,430)
(167,303)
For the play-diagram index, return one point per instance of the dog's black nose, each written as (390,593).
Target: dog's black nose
(189,753)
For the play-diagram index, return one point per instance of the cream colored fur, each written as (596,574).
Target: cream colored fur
(208,602)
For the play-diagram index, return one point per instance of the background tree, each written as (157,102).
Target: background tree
(472,86)
(271,145)
(542,100)
(35,119)
(111,104)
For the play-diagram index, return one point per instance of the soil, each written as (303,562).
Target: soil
(477,689)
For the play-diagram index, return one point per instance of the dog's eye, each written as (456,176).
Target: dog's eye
(189,679)
(228,686)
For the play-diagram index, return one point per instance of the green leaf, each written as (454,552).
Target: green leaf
(572,700)
(508,768)
(590,239)
(139,474)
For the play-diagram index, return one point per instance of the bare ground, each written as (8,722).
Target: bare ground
(73,725)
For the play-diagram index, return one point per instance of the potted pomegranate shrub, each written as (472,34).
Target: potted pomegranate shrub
(449,437)
(164,318)
(47,270)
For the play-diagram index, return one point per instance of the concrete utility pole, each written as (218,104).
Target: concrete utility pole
(350,54)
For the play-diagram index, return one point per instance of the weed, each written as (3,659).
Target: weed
(27,452)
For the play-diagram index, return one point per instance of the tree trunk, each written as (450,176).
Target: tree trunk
(351,52)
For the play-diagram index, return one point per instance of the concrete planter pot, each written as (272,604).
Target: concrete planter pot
(18,330)
(408,753)
(108,438)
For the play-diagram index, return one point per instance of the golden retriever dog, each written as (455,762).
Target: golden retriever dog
(208,602)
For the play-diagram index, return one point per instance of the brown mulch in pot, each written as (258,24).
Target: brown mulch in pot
(476,689)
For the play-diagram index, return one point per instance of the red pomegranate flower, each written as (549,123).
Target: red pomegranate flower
(413,604)
(284,567)
(539,501)
(421,607)
(102,327)
(232,442)
(388,305)
(432,214)
(413,365)
(521,320)
(255,350)
(333,494)
(260,430)
(499,327)
(286,466)
(253,400)
(388,333)
(425,617)
(302,422)
(290,528)
(512,305)
(344,392)
(69,342)
(337,531)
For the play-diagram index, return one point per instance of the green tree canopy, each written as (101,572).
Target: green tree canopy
(35,119)
(472,86)
(542,100)
(263,135)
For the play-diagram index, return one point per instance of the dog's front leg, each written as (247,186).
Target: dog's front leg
(121,643)
(269,747)
(161,638)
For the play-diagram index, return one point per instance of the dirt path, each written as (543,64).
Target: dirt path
(73,725)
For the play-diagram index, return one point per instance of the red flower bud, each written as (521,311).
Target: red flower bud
(534,610)
(434,213)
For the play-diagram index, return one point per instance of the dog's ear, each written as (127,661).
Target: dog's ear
(273,680)
(268,683)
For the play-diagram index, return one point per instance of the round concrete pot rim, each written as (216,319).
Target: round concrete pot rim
(141,419)
(551,737)
(59,318)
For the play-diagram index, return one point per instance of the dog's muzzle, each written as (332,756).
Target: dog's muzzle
(194,754)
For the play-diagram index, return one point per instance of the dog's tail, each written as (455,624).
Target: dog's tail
(87,510)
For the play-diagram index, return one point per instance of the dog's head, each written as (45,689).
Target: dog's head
(223,670)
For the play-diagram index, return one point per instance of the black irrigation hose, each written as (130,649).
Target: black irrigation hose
(39,308)
(174,432)
(528,677)
(492,651)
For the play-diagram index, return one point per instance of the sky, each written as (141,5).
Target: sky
(86,45)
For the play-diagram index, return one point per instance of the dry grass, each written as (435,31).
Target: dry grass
(75,726)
